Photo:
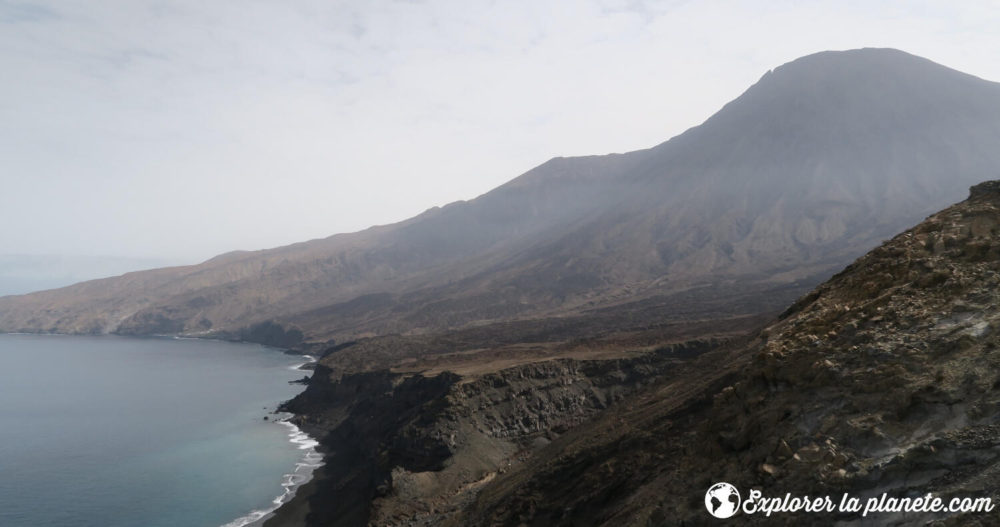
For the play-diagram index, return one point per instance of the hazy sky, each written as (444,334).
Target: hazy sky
(174,129)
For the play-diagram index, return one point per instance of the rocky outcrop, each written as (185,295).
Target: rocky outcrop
(270,333)
(368,424)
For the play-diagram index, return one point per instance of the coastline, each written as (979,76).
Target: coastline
(293,511)
(294,506)
(291,482)
(303,472)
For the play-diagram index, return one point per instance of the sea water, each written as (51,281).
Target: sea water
(114,431)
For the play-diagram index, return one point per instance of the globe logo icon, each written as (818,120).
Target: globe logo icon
(722,500)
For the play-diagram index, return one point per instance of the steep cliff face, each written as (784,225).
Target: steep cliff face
(404,448)
(812,166)
(883,379)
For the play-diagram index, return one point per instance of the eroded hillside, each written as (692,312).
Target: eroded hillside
(883,379)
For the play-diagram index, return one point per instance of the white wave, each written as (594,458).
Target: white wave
(309,360)
(311,460)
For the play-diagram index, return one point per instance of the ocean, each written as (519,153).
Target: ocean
(114,431)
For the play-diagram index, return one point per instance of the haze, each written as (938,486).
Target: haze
(180,130)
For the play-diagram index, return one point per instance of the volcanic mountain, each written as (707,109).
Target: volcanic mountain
(882,380)
(813,165)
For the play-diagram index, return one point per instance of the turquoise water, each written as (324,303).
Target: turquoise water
(113,431)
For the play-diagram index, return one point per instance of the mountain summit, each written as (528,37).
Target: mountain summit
(810,167)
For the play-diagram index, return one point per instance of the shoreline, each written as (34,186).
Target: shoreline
(291,482)
(294,510)
(304,352)
(304,469)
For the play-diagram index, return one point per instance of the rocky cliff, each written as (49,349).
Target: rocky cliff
(405,449)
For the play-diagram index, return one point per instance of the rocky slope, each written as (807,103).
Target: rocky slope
(883,379)
(812,166)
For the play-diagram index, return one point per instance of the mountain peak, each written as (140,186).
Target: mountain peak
(831,78)
(854,57)
(851,64)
